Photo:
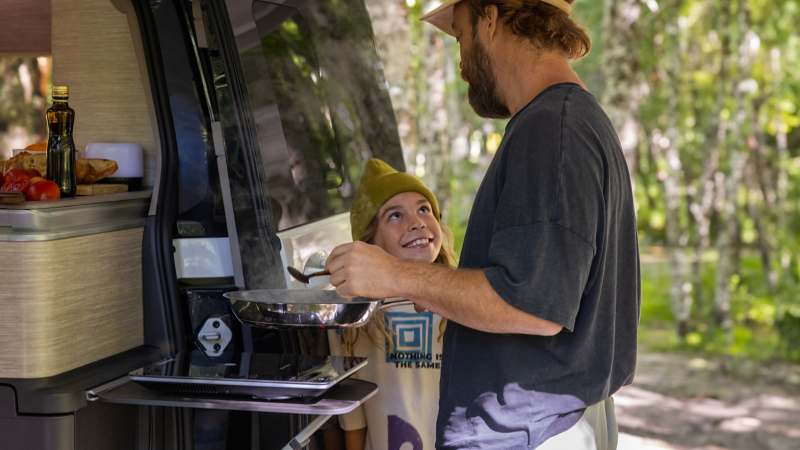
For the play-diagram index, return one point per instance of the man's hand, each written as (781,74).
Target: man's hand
(359,269)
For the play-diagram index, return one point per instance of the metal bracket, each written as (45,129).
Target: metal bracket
(199,25)
(302,438)
(227,202)
(295,445)
(214,336)
(93,394)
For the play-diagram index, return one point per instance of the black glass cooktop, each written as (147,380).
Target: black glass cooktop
(264,375)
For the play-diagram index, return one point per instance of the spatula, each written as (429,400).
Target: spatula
(303,278)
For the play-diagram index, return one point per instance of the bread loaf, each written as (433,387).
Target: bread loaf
(87,170)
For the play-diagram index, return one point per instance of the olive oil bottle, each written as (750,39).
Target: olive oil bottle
(60,146)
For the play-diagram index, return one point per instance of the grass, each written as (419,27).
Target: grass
(755,335)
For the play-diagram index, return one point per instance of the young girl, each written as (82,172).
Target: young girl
(396,212)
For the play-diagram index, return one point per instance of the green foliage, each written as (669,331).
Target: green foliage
(765,328)
(21,99)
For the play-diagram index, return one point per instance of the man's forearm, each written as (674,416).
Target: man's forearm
(466,297)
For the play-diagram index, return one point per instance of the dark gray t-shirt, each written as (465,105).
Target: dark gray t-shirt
(554,229)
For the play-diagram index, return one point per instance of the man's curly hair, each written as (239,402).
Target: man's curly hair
(544,25)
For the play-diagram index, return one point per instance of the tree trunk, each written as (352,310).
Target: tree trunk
(761,207)
(669,71)
(390,25)
(764,248)
(729,235)
(621,73)
(434,139)
(782,147)
(701,212)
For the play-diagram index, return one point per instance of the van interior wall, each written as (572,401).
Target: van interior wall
(93,53)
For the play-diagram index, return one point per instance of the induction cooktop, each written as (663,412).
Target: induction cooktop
(258,375)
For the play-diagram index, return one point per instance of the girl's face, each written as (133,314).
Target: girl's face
(407,228)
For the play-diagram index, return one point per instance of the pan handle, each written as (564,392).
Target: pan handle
(391,302)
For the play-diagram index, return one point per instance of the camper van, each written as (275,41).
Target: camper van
(256,119)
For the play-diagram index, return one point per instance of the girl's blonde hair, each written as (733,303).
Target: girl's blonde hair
(350,336)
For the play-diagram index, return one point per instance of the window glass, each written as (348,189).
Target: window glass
(299,93)
(320,103)
(24,96)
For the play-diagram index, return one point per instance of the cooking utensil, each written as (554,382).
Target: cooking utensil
(303,278)
(296,308)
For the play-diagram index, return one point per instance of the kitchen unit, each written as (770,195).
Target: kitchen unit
(256,119)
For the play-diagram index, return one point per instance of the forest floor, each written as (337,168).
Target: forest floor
(681,402)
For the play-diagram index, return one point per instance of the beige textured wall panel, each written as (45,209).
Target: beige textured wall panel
(93,54)
(69,302)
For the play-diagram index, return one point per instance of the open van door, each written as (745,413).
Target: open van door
(257,118)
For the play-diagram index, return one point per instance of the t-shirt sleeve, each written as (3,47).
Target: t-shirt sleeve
(549,204)
(541,269)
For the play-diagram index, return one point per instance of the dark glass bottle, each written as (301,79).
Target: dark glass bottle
(60,146)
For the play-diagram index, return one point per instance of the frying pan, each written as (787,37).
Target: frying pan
(296,308)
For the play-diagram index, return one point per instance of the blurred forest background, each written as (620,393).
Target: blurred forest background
(704,95)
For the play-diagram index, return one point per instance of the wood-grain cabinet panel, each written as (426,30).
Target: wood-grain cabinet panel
(69,302)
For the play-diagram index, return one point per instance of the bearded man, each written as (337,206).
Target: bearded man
(544,307)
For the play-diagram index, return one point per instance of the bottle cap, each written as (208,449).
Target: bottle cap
(60,91)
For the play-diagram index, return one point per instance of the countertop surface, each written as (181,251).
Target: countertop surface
(80,200)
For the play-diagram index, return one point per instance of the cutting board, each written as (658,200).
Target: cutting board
(11,198)
(101,189)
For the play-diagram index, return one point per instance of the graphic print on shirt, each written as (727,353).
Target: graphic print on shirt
(413,336)
(401,433)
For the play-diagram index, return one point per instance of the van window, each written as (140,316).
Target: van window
(24,96)
(300,96)
(320,103)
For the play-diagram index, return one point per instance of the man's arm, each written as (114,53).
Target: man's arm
(464,296)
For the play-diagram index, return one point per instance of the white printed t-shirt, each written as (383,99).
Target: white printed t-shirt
(404,410)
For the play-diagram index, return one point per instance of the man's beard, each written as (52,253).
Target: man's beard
(482,81)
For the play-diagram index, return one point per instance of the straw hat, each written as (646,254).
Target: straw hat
(442,17)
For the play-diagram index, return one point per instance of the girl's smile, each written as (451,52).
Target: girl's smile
(408,229)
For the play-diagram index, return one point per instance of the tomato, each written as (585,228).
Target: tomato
(35,180)
(33,173)
(17,184)
(14,173)
(43,190)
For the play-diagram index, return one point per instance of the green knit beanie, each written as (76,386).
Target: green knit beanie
(379,184)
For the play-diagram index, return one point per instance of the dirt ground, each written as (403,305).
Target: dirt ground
(679,402)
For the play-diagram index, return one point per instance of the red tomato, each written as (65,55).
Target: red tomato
(33,173)
(14,173)
(18,184)
(35,180)
(43,190)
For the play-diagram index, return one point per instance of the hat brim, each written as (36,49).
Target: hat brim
(442,17)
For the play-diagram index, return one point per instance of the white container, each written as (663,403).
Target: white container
(130,162)
(129,157)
